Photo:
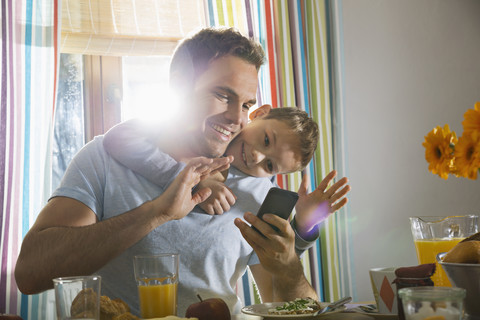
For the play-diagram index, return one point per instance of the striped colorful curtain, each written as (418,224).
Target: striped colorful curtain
(295,35)
(29,64)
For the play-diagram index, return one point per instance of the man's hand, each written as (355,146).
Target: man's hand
(280,276)
(313,208)
(177,201)
(276,250)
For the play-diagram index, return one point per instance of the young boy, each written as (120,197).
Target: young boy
(276,141)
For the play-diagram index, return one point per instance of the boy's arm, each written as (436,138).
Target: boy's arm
(303,244)
(313,208)
(132,144)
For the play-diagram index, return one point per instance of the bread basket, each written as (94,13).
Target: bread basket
(467,276)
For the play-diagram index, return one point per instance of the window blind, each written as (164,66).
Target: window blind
(127,27)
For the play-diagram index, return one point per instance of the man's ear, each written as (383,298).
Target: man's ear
(260,111)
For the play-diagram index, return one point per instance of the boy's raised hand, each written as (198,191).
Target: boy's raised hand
(312,208)
(178,200)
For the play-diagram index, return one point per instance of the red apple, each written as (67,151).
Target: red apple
(209,309)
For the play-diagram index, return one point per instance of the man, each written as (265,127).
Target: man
(103,213)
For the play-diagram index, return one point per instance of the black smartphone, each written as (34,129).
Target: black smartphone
(279,202)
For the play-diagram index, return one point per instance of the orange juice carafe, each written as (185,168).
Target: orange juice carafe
(434,234)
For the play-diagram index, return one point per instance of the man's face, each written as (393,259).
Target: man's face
(265,148)
(219,105)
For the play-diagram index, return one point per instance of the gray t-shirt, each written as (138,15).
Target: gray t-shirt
(213,253)
(132,143)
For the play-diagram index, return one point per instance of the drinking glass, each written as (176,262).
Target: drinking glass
(157,282)
(432,303)
(435,234)
(77,297)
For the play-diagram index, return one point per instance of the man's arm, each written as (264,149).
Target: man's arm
(280,276)
(75,244)
(265,281)
(67,239)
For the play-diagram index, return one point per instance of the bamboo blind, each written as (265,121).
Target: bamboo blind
(128,27)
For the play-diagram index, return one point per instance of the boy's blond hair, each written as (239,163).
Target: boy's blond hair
(303,126)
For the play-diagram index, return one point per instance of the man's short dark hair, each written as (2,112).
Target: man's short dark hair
(193,55)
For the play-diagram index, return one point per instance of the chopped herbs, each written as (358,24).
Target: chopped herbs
(298,306)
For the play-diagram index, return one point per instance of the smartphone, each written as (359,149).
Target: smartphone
(279,202)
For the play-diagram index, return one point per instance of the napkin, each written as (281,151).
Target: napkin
(418,275)
(420,271)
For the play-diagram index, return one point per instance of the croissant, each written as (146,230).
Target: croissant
(110,308)
(126,316)
(464,252)
(83,306)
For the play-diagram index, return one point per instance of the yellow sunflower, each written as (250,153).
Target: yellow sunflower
(467,155)
(472,119)
(439,145)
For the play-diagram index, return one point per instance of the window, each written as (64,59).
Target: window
(98,87)
(69,119)
(95,93)
(145,87)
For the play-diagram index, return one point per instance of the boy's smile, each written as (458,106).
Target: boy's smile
(265,148)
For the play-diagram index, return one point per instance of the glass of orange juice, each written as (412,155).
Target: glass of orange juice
(157,282)
(436,234)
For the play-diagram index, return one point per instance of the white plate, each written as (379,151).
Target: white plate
(262,311)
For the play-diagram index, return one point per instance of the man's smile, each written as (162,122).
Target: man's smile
(223,131)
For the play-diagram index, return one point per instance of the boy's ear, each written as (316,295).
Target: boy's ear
(261,111)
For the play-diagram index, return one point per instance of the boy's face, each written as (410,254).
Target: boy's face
(219,105)
(265,148)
